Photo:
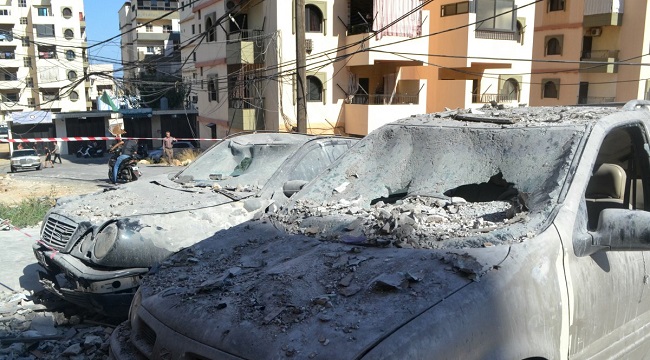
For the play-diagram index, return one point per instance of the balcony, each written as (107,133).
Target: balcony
(499,98)
(603,13)
(157,5)
(591,100)
(245,47)
(599,61)
(152,36)
(246,113)
(366,113)
(6,19)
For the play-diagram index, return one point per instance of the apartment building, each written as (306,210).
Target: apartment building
(480,53)
(150,47)
(591,52)
(42,59)
(241,69)
(100,80)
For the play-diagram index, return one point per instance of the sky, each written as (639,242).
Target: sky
(102,23)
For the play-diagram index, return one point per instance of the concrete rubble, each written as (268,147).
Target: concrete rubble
(40,326)
(414,222)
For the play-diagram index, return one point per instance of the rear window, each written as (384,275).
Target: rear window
(29,152)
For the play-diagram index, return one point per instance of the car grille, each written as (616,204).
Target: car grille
(147,334)
(57,231)
(23,161)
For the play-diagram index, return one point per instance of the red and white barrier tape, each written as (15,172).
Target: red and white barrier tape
(93,138)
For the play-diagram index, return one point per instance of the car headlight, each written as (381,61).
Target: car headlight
(135,305)
(86,244)
(105,240)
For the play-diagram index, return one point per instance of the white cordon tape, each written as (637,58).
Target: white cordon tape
(92,138)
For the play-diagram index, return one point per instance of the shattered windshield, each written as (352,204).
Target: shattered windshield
(244,161)
(430,183)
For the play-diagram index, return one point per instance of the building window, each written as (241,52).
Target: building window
(68,34)
(22,3)
(70,55)
(148,28)
(194,56)
(72,75)
(555,5)
(149,49)
(45,30)
(210,29)
(23,21)
(554,45)
(25,41)
(4,12)
(27,61)
(488,18)
(29,82)
(551,88)
(11,76)
(74,96)
(167,28)
(199,28)
(67,13)
(314,89)
(43,11)
(510,90)
(193,29)
(31,102)
(313,19)
(454,9)
(213,89)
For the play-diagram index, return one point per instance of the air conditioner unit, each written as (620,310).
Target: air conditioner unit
(595,31)
(309,45)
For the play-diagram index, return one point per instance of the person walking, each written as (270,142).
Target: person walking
(57,153)
(48,158)
(168,148)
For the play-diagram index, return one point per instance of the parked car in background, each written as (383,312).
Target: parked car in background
(514,234)
(24,160)
(96,248)
(179,148)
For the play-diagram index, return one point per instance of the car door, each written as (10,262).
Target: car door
(608,291)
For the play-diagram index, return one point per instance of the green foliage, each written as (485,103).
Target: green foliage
(28,212)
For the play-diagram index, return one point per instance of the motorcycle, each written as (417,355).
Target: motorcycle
(88,151)
(128,170)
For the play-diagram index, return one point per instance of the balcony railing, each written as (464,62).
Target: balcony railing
(595,99)
(246,103)
(157,5)
(397,99)
(599,54)
(497,35)
(244,35)
(7,55)
(499,98)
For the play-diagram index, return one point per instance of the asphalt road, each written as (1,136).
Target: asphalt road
(20,267)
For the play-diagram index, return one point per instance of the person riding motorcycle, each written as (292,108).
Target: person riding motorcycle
(128,148)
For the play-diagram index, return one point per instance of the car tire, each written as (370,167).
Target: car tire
(38,167)
(13,169)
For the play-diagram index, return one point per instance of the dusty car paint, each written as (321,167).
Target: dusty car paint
(25,159)
(96,248)
(557,283)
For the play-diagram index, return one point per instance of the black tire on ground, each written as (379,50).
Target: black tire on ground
(13,169)
(38,167)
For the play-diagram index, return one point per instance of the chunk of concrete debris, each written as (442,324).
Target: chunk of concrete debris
(389,282)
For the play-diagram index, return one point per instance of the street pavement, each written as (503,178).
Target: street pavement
(19,266)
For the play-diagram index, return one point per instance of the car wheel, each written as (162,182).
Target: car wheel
(78,155)
(38,167)
(13,169)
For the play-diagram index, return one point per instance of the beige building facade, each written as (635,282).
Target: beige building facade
(42,56)
(477,58)
(241,67)
(592,51)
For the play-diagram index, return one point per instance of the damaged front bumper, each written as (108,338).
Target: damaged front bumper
(107,291)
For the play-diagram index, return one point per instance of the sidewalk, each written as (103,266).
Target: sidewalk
(20,269)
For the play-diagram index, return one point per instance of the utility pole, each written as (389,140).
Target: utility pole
(301,63)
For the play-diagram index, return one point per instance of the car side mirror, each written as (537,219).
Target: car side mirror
(293,186)
(618,230)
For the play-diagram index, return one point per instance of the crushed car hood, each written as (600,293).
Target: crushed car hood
(157,196)
(256,292)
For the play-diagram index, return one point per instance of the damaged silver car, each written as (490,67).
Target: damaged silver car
(513,234)
(96,248)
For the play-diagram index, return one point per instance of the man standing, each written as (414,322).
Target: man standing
(168,147)
(57,153)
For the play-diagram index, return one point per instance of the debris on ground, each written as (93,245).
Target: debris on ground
(41,326)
